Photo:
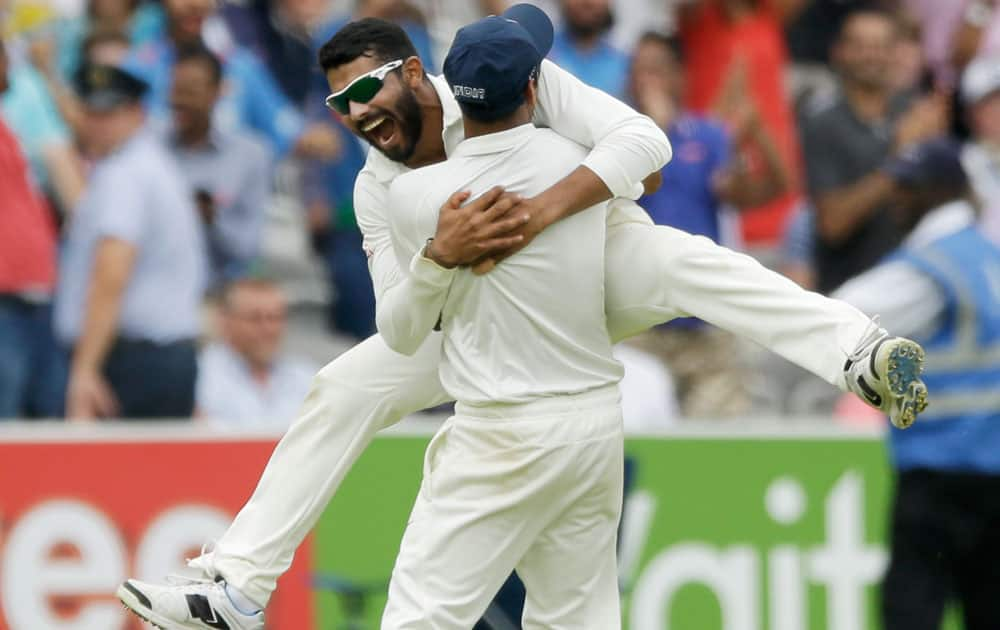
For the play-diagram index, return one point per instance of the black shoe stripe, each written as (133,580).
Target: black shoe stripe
(201,610)
(138,595)
(872,395)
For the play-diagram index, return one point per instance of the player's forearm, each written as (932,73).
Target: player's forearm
(625,145)
(408,311)
(628,154)
(66,173)
(577,191)
(112,267)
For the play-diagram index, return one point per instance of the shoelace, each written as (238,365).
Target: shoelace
(176,579)
(872,335)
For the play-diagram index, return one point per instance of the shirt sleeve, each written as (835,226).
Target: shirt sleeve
(916,312)
(120,204)
(371,209)
(240,226)
(408,312)
(625,145)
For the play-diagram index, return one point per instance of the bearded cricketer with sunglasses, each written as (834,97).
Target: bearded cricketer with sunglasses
(652,274)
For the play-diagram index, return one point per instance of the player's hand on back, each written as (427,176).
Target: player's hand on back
(532,219)
(485,227)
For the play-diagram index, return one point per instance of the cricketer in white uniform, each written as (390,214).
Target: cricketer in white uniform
(652,274)
(528,472)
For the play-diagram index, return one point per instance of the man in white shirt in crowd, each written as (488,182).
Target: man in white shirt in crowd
(652,274)
(528,472)
(981,154)
(244,381)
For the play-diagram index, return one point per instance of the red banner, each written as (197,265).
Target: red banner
(77,518)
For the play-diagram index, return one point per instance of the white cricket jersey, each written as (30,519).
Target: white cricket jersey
(624,147)
(534,326)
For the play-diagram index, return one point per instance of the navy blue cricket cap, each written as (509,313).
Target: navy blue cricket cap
(933,163)
(103,87)
(491,61)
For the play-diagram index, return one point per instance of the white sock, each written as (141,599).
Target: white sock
(241,602)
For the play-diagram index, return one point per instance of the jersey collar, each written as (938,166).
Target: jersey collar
(452,132)
(496,142)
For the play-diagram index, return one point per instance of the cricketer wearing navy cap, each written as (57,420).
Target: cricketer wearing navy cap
(525,355)
(491,61)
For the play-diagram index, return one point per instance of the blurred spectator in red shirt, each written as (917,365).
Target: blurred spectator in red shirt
(735,51)
(30,375)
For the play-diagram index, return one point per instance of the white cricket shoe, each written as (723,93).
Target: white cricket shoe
(885,372)
(192,605)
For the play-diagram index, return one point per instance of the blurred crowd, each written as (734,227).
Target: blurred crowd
(194,134)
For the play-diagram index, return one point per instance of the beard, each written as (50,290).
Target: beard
(411,126)
(586,29)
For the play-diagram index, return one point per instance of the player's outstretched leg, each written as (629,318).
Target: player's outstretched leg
(654,273)
(361,392)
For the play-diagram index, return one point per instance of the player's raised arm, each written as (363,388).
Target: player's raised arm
(625,146)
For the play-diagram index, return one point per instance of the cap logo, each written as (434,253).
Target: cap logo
(475,94)
(100,77)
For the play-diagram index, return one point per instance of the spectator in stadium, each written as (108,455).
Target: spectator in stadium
(847,139)
(32,113)
(32,375)
(706,173)
(229,172)
(734,55)
(939,288)
(702,178)
(582,47)
(132,275)
(809,34)
(252,100)
(106,45)
(243,379)
(981,154)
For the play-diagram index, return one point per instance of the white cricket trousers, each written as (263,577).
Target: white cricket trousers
(652,274)
(536,487)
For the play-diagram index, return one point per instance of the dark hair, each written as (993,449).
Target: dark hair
(369,37)
(670,42)
(198,52)
(872,9)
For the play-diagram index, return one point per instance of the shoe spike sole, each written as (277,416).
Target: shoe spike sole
(140,616)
